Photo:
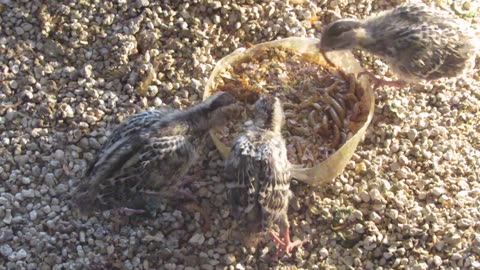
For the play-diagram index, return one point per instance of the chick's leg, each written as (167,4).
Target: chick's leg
(287,245)
(179,192)
(196,207)
(380,82)
(182,191)
(194,204)
(276,238)
(186,180)
(121,215)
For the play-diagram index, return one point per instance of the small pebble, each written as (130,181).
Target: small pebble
(6,250)
(33,215)
(197,239)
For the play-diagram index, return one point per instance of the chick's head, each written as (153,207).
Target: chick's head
(340,35)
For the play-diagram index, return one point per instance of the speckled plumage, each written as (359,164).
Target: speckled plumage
(258,175)
(149,152)
(416,41)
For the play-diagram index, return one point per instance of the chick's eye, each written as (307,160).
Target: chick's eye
(337,30)
(341,27)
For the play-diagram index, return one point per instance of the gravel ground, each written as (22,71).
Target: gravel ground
(72,70)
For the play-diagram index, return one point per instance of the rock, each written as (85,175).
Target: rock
(359,228)
(323,253)
(87,71)
(197,239)
(393,213)
(464,223)
(66,111)
(239,266)
(33,215)
(364,196)
(110,250)
(412,135)
(59,155)
(437,261)
(438,191)
(6,235)
(375,217)
(230,259)
(28,193)
(26,180)
(20,255)
(61,188)
(375,195)
(6,251)
(8,217)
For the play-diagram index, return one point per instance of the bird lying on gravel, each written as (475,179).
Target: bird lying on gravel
(147,156)
(416,41)
(258,177)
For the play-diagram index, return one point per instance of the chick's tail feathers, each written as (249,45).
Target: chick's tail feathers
(113,160)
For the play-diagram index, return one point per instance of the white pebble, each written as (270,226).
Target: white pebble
(28,193)
(375,217)
(323,253)
(6,250)
(375,195)
(87,71)
(464,223)
(59,154)
(437,260)
(197,239)
(393,213)
(403,160)
(21,254)
(33,215)
(239,266)
(412,135)
(26,180)
(364,196)
(359,228)
(437,191)
(110,250)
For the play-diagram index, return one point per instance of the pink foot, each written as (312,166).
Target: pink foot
(286,246)
(380,82)
(175,194)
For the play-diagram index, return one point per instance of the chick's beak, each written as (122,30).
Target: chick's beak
(222,116)
(233,111)
(322,47)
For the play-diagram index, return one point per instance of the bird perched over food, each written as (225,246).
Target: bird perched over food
(418,42)
(258,175)
(148,155)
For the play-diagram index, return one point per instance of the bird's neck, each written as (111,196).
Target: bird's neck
(195,116)
(274,123)
(203,120)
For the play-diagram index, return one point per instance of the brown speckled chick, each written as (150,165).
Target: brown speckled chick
(147,156)
(258,175)
(416,41)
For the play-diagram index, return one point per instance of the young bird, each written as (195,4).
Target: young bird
(258,175)
(147,156)
(417,42)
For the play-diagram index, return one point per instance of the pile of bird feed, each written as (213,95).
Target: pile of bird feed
(321,103)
